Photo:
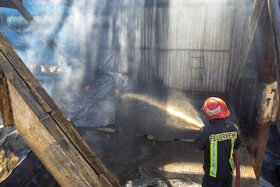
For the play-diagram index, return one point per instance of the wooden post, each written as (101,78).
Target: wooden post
(5,104)
(274,21)
(46,130)
(267,100)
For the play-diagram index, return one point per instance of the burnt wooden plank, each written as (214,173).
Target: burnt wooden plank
(7,4)
(254,20)
(83,147)
(16,80)
(67,145)
(6,109)
(41,115)
(44,107)
(23,71)
(51,145)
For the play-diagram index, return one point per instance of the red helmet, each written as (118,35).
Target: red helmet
(215,108)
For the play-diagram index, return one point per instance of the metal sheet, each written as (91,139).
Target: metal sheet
(170,40)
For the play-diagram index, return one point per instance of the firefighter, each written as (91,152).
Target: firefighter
(217,140)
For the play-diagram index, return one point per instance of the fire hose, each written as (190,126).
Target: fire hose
(237,168)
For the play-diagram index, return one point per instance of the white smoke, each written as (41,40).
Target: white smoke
(129,22)
(75,32)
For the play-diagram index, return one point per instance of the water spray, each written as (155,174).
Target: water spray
(169,110)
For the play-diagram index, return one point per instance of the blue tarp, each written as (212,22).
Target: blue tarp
(22,38)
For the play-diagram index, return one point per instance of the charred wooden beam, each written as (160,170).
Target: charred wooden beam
(273,9)
(261,132)
(26,14)
(47,131)
(6,109)
(254,20)
(267,100)
(7,4)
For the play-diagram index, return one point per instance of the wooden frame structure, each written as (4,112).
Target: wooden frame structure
(27,106)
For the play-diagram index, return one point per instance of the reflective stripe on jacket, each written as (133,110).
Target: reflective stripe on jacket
(218,140)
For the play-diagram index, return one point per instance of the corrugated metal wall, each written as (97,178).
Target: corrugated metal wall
(187,47)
